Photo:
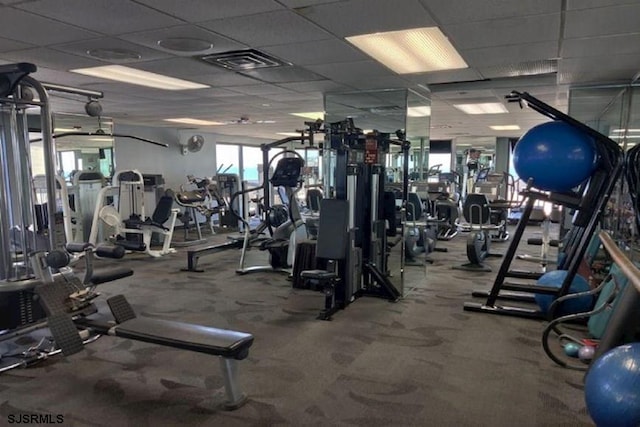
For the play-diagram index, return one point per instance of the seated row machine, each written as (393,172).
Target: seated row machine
(67,304)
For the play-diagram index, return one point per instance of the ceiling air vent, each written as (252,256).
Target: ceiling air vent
(243,60)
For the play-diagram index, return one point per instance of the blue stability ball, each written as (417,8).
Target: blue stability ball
(556,155)
(611,387)
(554,279)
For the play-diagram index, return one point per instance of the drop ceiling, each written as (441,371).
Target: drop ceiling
(541,46)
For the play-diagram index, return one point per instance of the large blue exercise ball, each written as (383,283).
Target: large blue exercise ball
(554,279)
(612,387)
(556,156)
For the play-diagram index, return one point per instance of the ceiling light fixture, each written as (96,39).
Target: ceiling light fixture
(417,50)
(423,111)
(313,115)
(289,133)
(505,127)
(138,77)
(197,122)
(482,108)
(622,130)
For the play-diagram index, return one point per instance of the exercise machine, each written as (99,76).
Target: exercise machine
(121,207)
(476,210)
(356,221)
(199,197)
(282,240)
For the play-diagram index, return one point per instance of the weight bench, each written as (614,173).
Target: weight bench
(65,316)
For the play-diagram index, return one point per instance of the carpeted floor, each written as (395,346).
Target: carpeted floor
(422,361)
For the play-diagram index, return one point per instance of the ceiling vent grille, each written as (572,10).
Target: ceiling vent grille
(243,60)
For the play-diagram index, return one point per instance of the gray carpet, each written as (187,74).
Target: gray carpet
(422,361)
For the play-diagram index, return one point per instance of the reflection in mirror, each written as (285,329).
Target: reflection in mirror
(387,111)
(77,152)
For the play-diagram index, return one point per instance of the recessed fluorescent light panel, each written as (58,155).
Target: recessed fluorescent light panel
(419,111)
(313,116)
(622,130)
(289,133)
(417,50)
(505,127)
(197,122)
(138,77)
(482,108)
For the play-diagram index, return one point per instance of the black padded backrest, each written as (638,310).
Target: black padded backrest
(162,211)
(333,233)
(314,196)
(389,212)
(476,209)
(414,206)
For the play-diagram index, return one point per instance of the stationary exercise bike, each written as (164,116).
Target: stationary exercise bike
(477,212)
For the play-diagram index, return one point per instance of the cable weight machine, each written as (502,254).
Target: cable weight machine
(356,222)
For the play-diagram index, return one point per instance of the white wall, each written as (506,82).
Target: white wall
(170,162)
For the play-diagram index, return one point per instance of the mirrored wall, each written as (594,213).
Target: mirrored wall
(388,111)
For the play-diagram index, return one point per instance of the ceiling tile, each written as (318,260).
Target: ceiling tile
(603,21)
(346,72)
(259,89)
(50,58)
(105,16)
(317,52)
(601,46)
(353,17)
(464,75)
(282,74)
(499,55)
(451,12)
(204,10)
(294,4)
(178,67)
(82,48)
(265,29)
(151,38)
(30,28)
(386,82)
(8,45)
(224,79)
(591,4)
(314,86)
(508,31)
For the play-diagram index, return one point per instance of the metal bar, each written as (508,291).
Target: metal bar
(73,90)
(49,155)
(627,267)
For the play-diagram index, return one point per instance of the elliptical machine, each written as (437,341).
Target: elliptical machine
(281,241)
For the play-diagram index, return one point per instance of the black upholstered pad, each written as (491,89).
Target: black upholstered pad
(318,274)
(203,339)
(107,275)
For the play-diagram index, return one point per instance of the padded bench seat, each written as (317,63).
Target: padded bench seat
(230,346)
(186,336)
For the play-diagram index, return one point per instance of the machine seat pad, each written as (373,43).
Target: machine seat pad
(190,197)
(318,274)
(108,275)
(186,336)
(151,223)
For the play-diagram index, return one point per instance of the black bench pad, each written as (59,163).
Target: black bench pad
(318,275)
(108,275)
(186,336)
